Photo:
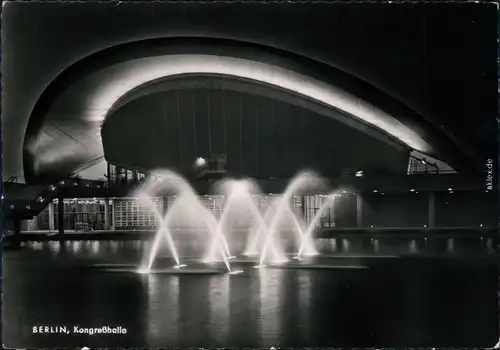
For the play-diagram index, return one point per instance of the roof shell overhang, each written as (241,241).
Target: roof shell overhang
(84,94)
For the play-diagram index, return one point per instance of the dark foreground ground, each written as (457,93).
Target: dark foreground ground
(349,299)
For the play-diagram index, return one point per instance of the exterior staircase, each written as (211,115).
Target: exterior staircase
(25,201)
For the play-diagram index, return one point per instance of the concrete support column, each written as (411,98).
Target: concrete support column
(106,214)
(113,214)
(17,231)
(359,210)
(332,217)
(60,215)
(430,241)
(51,217)
(432,209)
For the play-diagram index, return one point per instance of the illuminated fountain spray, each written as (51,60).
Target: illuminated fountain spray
(328,203)
(239,197)
(281,211)
(240,204)
(186,205)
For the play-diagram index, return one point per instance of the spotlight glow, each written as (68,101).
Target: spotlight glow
(236,272)
(144,70)
(199,162)
(143,271)
(179,266)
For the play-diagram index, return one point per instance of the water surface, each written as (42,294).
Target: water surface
(393,301)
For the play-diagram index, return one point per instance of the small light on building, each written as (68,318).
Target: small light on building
(94,199)
(199,162)
(412,190)
(371,225)
(481,225)
(423,161)
(375,191)
(359,173)
(450,189)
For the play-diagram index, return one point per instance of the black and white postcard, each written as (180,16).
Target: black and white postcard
(251,174)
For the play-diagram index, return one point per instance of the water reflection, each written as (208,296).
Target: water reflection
(76,246)
(245,331)
(138,249)
(114,246)
(55,247)
(219,292)
(413,246)
(305,288)
(258,308)
(35,245)
(489,245)
(346,245)
(270,305)
(450,245)
(163,309)
(95,247)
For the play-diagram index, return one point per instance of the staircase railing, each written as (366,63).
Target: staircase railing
(12,179)
(33,206)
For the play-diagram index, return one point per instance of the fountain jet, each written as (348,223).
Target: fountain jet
(267,227)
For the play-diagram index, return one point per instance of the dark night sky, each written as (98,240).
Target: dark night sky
(439,59)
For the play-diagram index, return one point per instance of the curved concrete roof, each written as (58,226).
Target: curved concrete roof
(32,61)
(77,102)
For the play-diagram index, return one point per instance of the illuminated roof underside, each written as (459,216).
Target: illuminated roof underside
(104,88)
(154,68)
